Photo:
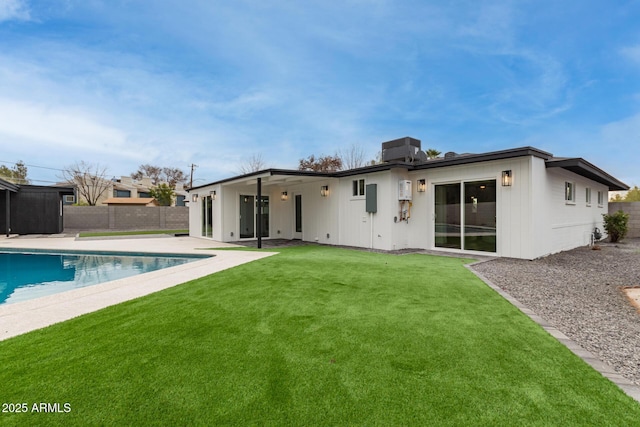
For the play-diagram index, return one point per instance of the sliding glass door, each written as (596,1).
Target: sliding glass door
(249,216)
(448,216)
(470,225)
(480,216)
(247,220)
(207,216)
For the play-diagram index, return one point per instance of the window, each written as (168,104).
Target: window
(121,193)
(144,194)
(569,192)
(588,196)
(600,198)
(358,187)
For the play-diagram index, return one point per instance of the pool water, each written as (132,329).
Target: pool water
(25,276)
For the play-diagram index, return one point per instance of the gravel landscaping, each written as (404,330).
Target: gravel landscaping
(580,293)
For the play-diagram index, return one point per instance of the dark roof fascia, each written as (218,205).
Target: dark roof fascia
(6,185)
(48,188)
(583,168)
(484,157)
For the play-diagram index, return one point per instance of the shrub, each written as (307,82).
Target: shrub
(616,225)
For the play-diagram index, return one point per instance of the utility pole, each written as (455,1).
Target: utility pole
(191,181)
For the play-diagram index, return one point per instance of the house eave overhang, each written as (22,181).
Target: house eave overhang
(6,185)
(265,175)
(583,168)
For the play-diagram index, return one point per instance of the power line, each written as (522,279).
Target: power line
(32,166)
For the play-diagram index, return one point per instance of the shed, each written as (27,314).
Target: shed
(31,209)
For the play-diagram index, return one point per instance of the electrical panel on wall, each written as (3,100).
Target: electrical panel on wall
(404,190)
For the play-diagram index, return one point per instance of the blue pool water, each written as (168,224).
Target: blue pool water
(25,276)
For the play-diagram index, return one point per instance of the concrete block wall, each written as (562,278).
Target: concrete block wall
(86,218)
(631,208)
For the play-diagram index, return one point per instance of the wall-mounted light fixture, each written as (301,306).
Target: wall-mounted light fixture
(213,194)
(422,186)
(284,196)
(507,178)
(324,190)
(194,197)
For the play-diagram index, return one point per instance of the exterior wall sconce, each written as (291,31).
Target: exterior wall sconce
(194,197)
(422,186)
(284,196)
(507,178)
(324,190)
(213,194)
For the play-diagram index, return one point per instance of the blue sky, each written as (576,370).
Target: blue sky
(175,83)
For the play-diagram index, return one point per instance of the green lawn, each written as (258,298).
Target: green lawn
(312,336)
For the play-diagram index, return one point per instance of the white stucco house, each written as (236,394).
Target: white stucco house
(519,203)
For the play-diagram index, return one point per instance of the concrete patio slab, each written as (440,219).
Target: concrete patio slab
(21,317)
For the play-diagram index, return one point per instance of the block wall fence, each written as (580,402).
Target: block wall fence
(631,208)
(85,218)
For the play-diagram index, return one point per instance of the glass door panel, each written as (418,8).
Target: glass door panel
(298,213)
(207,216)
(247,216)
(480,216)
(265,216)
(448,221)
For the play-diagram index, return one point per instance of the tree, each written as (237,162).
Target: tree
(254,163)
(163,193)
(377,160)
(352,157)
(172,176)
(90,180)
(616,225)
(17,174)
(432,153)
(632,195)
(322,164)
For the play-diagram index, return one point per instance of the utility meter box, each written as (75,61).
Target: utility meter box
(404,190)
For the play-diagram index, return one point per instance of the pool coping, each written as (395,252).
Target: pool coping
(25,316)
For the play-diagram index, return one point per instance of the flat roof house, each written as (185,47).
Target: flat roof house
(31,209)
(519,203)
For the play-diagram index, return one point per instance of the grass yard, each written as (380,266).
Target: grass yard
(312,336)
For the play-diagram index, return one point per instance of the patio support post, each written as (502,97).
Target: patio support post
(8,211)
(259,223)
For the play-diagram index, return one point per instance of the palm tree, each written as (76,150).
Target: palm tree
(432,153)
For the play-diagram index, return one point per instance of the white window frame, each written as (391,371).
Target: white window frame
(570,193)
(358,188)
(587,195)
(600,199)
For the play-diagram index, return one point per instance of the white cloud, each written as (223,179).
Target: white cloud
(632,53)
(14,10)
(60,127)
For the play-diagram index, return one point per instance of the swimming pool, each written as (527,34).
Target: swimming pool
(26,275)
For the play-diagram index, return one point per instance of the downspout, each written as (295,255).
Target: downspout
(259,224)
(8,212)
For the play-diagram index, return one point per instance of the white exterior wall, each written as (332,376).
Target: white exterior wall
(370,230)
(569,224)
(532,217)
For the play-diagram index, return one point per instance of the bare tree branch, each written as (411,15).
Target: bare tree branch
(254,163)
(89,179)
(352,157)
